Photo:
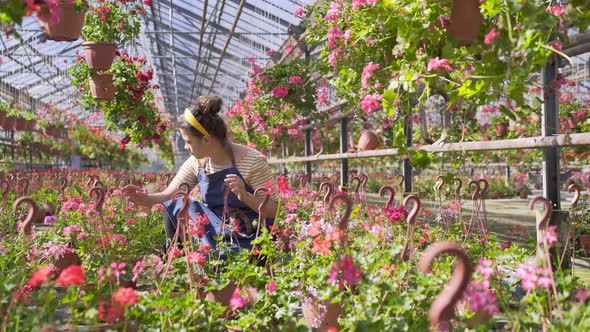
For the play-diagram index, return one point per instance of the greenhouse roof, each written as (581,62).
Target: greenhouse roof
(188,61)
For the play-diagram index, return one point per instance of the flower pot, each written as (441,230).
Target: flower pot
(102,87)
(368,140)
(501,129)
(31,125)
(321,315)
(20,124)
(69,26)
(466,21)
(8,123)
(99,55)
(585,243)
(572,123)
(495,194)
(524,194)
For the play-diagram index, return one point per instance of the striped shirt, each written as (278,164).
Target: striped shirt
(253,167)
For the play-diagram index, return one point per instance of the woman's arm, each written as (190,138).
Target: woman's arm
(270,209)
(140,197)
(186,174)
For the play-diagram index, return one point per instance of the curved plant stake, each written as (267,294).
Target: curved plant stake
(391,191)
(576,190)
(544,220)
(358,184)
(27,224)
(184,187)
(343,223)
(411,221)
(123,181)
(99,196)
(458,189)
(442,308)
(329,186)
(24,184)
(5,185)
(261,217)
(63,183)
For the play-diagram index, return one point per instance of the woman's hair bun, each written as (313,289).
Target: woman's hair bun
(208,105)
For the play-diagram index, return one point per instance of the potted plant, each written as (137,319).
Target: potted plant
(108,24)
(583,226)
(61,20)
(500,123)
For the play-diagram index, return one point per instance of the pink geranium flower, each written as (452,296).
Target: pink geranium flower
(299,12)
(333,35)
(490,36)
(437,64)
(370,103)
(280,91)
(556,10)
(368,71)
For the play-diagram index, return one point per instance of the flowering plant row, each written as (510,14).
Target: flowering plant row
(319,266)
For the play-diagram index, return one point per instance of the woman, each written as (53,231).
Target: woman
(216,165)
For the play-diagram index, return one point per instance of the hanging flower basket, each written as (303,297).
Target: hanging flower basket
(102,87)
(99,55)
(68,27)
(368,140)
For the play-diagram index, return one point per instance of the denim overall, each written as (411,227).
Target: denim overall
(212,188)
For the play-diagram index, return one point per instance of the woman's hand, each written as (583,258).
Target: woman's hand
(139,196)
(237,185)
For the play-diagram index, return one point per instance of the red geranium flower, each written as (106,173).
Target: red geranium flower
(72,275)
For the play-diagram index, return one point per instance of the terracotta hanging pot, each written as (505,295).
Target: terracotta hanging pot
(20,124)
(102,87)
(572,123)
(501,129)
(368,140)
(8,123)
(585,243)
(69,26)
(321,315)
(466,21)
(99,55)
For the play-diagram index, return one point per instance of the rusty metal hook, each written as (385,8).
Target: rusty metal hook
(576,189)
(24,182)
(27,225)
(183,212)
(401,181)
(442,308)
(411,218)
(343,198)
(123,181)
(184,187)
(89,179)
(458,189)
(363,178)
(5,185)
(440,182)
(542,224)
(63,183)
(329,188)
(358,183)
(482,189)
(391,191)
(98,193)
(475,194)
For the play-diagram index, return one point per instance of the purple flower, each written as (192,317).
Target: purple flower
(49,220)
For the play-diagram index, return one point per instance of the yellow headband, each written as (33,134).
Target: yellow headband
(190,118)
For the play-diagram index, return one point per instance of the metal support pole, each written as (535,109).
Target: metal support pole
(407,166)
(344,149)
(284,146)
(308,152)
(550,127)
(13,150)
